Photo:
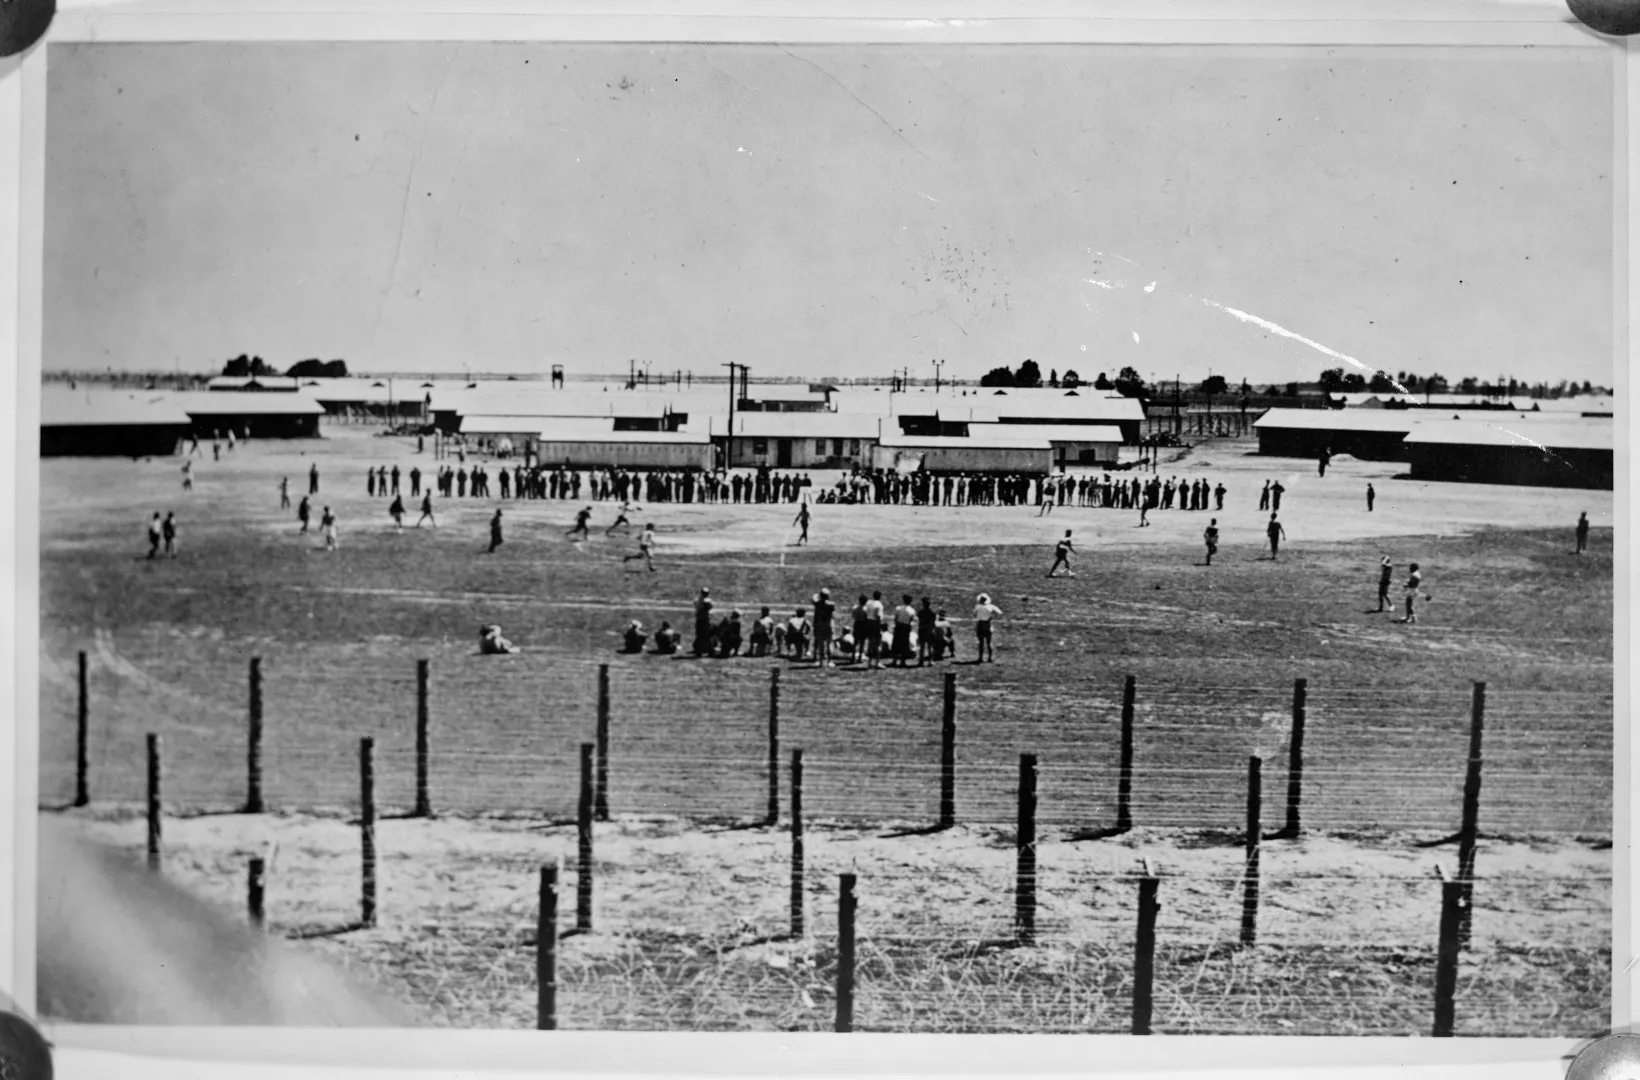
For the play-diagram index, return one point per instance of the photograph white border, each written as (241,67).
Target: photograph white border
(1543,23)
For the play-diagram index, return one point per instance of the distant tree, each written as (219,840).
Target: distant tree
(1214,384)
(1028,375)
(318,369)
(1588,387)
(1468,385)
(1332,380)
(1514,387)
(1102,383)
(1071,380)
(1435,384)
(238,368)
(1292,389)
(1129,383)
(1382,384)
(1245,389)
(1053,378)
(1354,382)
(998,376)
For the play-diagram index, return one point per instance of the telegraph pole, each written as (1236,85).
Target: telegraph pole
(937,365)
(729,444)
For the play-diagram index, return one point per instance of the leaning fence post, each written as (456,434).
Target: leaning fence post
(253,762)
(845,952)
(1295,759)
(255,890)
(1467,833)
(1249,894)
(1025,845)
(1446,961)
(82,738)
(367,830)
(1124,775)
(583,882)
(600,807)
(1144,952)
(774,747)
(948,754)
(546,952)
(797,843)
(424,802)
(153,801)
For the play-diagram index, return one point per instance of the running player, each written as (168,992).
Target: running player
(426,509)
(646,547)
(984,612)
(168,531)
(803,520)
(1062,556)
(327,523)
(1210,536)
(582,517)
(621,519)
(396,512)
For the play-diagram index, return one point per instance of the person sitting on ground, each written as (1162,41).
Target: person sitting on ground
(944,639)
(491,643)
(844,646)
(667,639)
(633,638)
(797,634)
(762,634)
(729,636)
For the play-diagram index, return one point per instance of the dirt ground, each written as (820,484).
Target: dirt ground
(1350,912)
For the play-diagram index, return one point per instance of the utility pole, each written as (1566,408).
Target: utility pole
(1175,403)
(937,365)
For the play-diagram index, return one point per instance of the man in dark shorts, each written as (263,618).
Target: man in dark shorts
(859,635)
(1415,581)
(1062,556)
(304,511)
(396,512)
(1386,571)
(984,612)
(874,630)
(926,618)
(1264,497)
(825,613)
(582,517)
(1275,495)
(168,531)
(1210,536)
(313,479)
(1276,534)
(427,509)
(803,520)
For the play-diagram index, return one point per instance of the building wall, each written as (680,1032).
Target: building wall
(1309,442)
(1089,453)
(110,440)
(806,453)
(1524,465)
(623,455)
(257,425)
(968,459)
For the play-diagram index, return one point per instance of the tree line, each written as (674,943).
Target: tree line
(246,366)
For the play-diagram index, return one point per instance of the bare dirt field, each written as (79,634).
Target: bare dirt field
(1352,908)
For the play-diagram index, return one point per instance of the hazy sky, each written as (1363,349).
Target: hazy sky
(830,211)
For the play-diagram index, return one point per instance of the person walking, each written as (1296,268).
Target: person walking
(1371,496)
(168,530)
(1276,534)
(426,509)
(1385,572)
(1210,536)
(1415,581)
(396,511)
(803,520)
(1062,556)
(284,493)
(153,535)
(984,613)
(646,546)
(495,531)
(304,512)
(1582,532)
(327,524)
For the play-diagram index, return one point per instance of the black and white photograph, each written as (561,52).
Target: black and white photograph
(900,537)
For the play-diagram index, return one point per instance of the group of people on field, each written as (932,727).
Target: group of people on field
(873,633)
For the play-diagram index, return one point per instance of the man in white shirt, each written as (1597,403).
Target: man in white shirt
(1415,581)
(874,630)
(1062,556)
(984,612)
(905,617)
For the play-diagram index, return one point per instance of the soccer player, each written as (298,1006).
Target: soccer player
(905,617)
(1371,495)
(1415,581)
(188,475)
(1218,496)
(646,546)
(797,634)
(1210,536)
(874,630)
(621,519)
(396,512)
(313,479)
(1264,497)
(582,517)
(415,481)
(825,613)
(327,523)
(284,493)
(495,530)
(426,509)
(168,530)
(1062,556)
(153,535)
(1386,570)
(703,622)
(1276,534)
(304,512)
(859,635)
(925,631)
(984,612)
(1582,532)
(1275,495)
(803,520)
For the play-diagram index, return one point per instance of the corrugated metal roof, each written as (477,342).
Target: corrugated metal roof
(1517,430)
(209,403)
(101,408)
(806,425)
(1386,420)
(931,442)
(1103,433)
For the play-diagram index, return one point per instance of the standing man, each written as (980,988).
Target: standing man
(825,614)
(803,520)
(874,631)
(370,482)
(1582,532)
(1385,571)
(415,481)
(926,618)
(284,493)
(313,479)
(304,512)
(646,545)
(495,531)
(1276,534)
(1264,497)
(1210,536)
(984,612)
(396,511)
(1415,581)
(169,532)
(1371,495)
(395,477)
(1275,495)
(1326,456)
(327,523)
(859,615)
(153,535)
(905,617)
(1062,556)
(1218,496)
(426,509)
(703,623)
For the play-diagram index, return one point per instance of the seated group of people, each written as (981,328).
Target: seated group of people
(794,638)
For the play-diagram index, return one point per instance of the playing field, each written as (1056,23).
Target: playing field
(1214,652)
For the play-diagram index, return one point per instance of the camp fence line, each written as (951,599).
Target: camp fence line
(1105,788)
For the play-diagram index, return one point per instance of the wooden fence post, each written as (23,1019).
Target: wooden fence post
(948,754)
(1124,775)
(1144,952)
(774,747)
(845,952)
(1446,962)
(153,801)
(546,952)
(1295,760)
(600,807)
(253,762)
(255,891)
(583,882)
(1468,833)
(82,739)
(1025,846)
(367,830)
(797,844)
(1249,893)
(424,802)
